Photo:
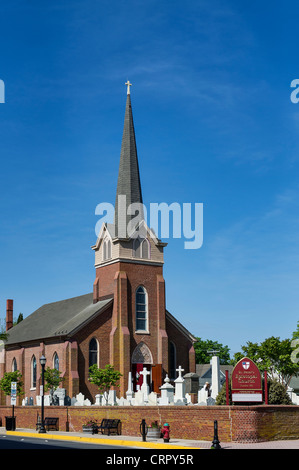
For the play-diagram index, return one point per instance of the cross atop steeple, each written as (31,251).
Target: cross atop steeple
(128,184)
(128,87)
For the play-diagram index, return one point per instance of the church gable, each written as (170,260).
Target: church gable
(142,246)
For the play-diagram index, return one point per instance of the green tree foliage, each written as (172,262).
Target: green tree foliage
(221,397)
(295,346)
(104,379)
(3,334)
(8,377)
(277,394)
(203,346)
(18,320)
(52,381)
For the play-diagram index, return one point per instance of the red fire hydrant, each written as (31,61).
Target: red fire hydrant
(165,432)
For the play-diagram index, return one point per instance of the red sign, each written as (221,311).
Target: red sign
(246,382)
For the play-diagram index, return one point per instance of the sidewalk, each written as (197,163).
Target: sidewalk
(133,441)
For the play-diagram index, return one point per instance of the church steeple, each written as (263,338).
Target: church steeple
(128,185)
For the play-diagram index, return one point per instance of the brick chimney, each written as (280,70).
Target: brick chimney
(9,314)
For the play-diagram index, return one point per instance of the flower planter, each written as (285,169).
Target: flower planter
(154,433)
(89,428)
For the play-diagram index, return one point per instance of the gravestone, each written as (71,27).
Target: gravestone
(129,392)
(79,400)
(59,396)
(179,395)
(139,398)
(144,386)
(167,393)
(191,382)
(112,398)
(98,398)
(152,399)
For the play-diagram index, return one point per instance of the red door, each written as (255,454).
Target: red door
(137,377)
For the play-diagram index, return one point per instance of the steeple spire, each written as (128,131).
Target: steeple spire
(128,185)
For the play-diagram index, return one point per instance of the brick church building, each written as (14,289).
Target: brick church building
(123,322)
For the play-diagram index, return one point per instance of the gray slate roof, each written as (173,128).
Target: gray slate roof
(56,319)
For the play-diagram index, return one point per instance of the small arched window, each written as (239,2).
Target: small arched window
(141,309)
(56,361)
(107,249)
(141,248)
(33,372)
(93,352)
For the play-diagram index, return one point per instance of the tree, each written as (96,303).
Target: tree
(18,320)
(203,346)
(104,378)
(277,394)
(8,377)
(273,355)
(52,381)
(3,333)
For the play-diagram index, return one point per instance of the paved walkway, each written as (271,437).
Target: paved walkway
(133,441)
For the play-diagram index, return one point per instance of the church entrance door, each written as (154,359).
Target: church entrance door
(141,357)
(137,377)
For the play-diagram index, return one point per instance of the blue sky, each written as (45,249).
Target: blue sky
(214,124)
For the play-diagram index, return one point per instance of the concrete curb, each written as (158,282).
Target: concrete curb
(94,440)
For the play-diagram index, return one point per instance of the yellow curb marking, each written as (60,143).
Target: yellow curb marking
(93,440)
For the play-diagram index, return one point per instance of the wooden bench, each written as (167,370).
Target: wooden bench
(109,426)
(50,423)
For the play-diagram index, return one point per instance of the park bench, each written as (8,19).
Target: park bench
(109,426)
(50,423)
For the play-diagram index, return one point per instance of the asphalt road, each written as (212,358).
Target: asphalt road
(18,442)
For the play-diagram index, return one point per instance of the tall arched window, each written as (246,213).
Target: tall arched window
(33,372)
(141,309)
(14,365)
(56,361)
(93,352)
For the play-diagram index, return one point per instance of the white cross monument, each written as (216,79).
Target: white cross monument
(179,395)
(144,386)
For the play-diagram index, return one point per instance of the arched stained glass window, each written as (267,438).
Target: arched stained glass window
(93,352)
(56,361)
(33,372)
(14,365)
(141,309)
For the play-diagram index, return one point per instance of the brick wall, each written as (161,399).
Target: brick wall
(235,423)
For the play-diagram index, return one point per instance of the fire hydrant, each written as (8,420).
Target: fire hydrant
(165,431)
